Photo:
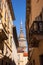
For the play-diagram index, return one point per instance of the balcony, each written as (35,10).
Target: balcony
(36,33)
(34,42)
(37,30)
(3,33)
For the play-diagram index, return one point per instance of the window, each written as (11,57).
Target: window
(18,57)
(40,26)
(9,64)
(41,59)
(0,8)
(5,14)
(33,62)
(2,62)
(2,50)
(11,41)
(0,21)
(8,18)
(6,63)
(5,11)
(6,51)
(42,14)
(35,26)
(18,63)
(0,3)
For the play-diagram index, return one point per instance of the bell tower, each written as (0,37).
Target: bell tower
(22,39)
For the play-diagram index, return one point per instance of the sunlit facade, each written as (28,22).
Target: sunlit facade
(6,33)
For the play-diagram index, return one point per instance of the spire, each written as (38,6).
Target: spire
(22,39)
(21,29)
(21,22)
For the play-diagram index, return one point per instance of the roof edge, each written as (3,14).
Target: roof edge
(11,9)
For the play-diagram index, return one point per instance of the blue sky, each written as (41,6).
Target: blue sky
(19,7)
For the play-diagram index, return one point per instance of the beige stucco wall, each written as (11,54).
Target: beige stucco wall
(35,56)
(36,8)
(36,53)
(41,47)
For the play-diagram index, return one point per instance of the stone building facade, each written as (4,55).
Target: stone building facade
(34,31)
(6,33)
